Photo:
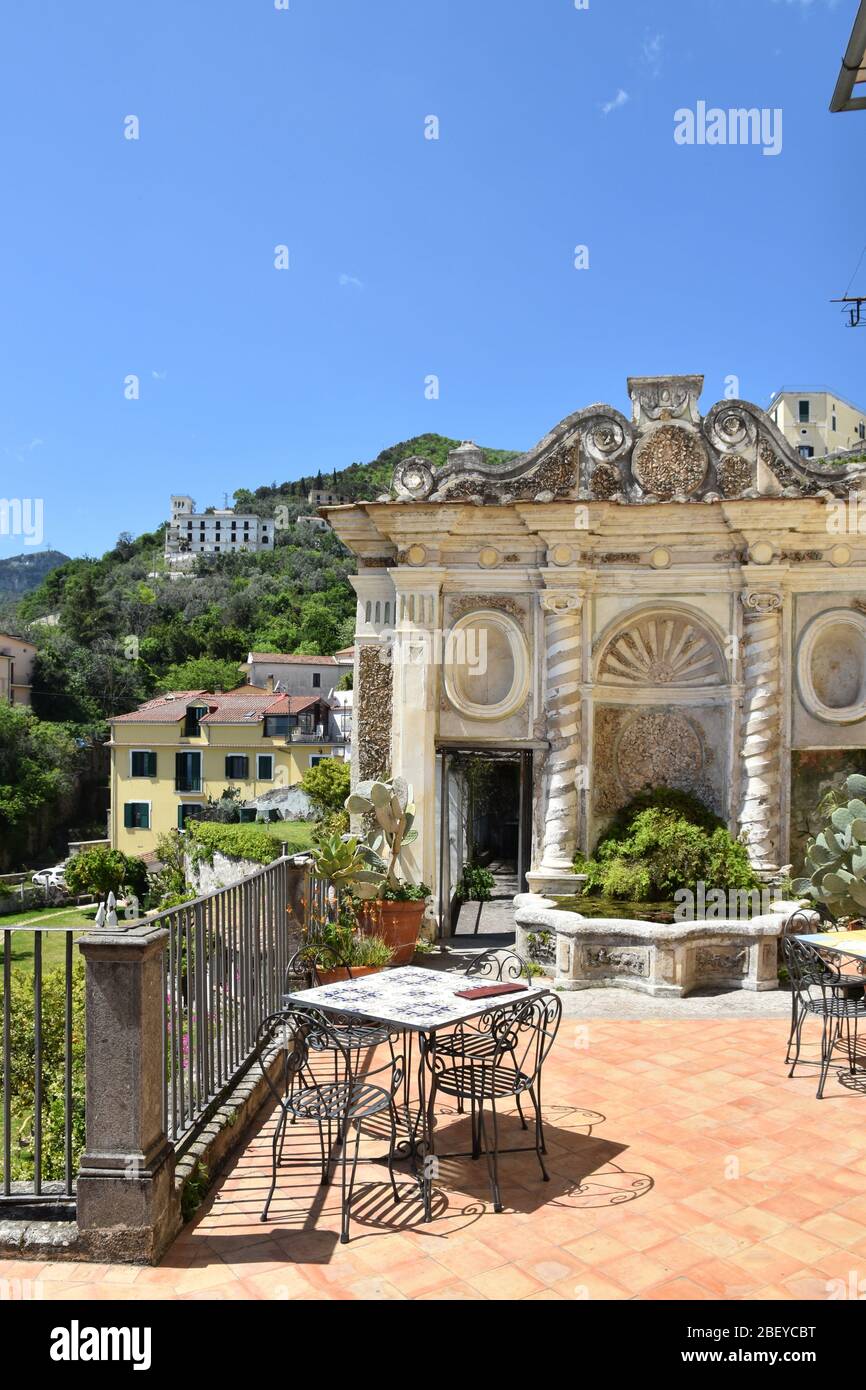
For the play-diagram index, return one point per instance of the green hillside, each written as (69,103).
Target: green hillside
(361,481)
(19,574)
(125,629)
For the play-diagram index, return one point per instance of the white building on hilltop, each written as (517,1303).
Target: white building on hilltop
(218,531)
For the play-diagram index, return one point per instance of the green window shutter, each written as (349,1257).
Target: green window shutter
(144,822)
(128,816)
(151,764)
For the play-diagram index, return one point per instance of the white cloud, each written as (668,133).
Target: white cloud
(619,100)
(653,47)
(351,282)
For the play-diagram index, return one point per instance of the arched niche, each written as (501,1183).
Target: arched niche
(486,665)
(831,667)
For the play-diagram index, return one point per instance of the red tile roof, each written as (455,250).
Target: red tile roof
(293,659)
(246,705)
(165,709)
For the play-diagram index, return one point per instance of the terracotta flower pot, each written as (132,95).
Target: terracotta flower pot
(398,924)
(343,972)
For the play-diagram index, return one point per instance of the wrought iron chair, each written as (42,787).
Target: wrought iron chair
(350,1032)
(522,1037)
(803,921)
(822,991)
(498,966)
(336,1096)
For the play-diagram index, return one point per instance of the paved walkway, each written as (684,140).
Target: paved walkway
(685,1165)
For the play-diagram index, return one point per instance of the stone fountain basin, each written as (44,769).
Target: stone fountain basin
(659,958)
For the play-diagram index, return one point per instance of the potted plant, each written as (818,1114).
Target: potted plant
(336,945)
(341,950)
(395,911)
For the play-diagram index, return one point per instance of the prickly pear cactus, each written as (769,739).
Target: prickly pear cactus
(390,812)
(836,859)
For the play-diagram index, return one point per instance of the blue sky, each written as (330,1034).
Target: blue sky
(409,257)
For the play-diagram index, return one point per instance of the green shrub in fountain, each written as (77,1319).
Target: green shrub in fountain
(660,842)
(836,858)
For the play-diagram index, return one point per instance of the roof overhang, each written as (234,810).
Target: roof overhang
(853,71)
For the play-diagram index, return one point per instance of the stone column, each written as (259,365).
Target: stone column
(562,696)
(760,807)
(371,718)
(127,1207)
(417,661)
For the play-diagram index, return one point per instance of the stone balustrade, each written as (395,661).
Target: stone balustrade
(662,959)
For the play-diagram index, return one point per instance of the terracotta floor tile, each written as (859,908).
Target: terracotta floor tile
(801,1245)
(589,1285)
(653,1112)
(506,1282)
(678,1290)
(635,1272)
(723,1279)
(839,1229)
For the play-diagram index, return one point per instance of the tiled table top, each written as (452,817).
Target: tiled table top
(410,998)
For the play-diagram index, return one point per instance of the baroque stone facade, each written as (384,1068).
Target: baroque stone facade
(661,600)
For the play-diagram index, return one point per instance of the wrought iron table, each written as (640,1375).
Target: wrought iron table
(839,943)
(416,1002)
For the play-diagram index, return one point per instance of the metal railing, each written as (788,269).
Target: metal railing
(225,966)
(41,1066)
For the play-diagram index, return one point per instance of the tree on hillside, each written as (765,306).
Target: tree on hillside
(86,684)
(37,765)
(83,612)
(201,673)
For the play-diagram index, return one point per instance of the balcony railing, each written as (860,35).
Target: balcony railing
(222,961)
(41,1067)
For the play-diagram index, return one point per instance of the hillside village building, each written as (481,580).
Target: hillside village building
(172,753)
(16,669)
(218,531)
(817,421)
(644,602)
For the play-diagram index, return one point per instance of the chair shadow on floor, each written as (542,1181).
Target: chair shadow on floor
(584,1173)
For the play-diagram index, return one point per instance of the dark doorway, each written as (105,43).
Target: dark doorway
(496,822)
(493,827)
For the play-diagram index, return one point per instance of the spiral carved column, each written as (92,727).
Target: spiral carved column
(760,810)
(563,704)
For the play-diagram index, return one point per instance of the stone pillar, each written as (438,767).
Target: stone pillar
(127,1207)
(371,717)
(563,777)
(416,679)
(760,806)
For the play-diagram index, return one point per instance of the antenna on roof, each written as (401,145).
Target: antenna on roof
(856,301)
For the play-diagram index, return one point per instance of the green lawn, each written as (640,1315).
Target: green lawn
(23,947)
(295,834)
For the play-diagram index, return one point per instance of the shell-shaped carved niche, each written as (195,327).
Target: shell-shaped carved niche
(662,649)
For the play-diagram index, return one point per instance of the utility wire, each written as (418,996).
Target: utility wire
(856,268)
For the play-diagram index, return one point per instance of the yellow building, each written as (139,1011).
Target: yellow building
(172,753)
(817,421)
(16,669)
